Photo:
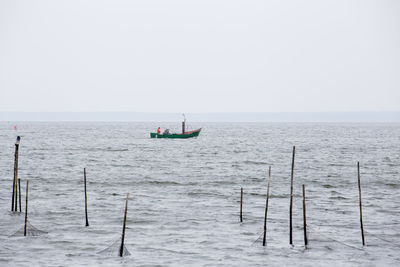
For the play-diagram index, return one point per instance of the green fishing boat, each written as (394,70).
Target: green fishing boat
(176,135)
(184,133)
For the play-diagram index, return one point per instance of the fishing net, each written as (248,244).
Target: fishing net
(259,239)
(114,249)
(316,237)
(30,231)
(390,239)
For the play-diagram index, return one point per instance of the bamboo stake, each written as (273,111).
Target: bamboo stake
(14,193)
(86,213)
(26,207)
(266,207)
(13,190)
(291,200)
(16,172)
(359,190)
(121,250)
(19,190)
(241,204)
(304,218)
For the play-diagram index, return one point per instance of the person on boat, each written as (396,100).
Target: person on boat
(158,130)
(166,132)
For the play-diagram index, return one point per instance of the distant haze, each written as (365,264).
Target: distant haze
(199,56)
(204,117)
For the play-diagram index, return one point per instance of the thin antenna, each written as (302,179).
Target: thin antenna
(183,124)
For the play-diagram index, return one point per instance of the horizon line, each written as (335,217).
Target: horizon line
(207,112)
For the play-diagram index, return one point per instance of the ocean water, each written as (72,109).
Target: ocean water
(185,194)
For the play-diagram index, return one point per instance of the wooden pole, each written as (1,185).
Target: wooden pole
(359,190)
(19,190)
(14,194)
(13,190)
(266,207)
(291,200)
(86,214)
(304,217)
(241,204)
(26,207)
(16,172)
(121,250)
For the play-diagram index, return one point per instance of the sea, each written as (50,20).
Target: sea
(184,194)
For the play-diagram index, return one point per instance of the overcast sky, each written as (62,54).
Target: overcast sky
(200,56)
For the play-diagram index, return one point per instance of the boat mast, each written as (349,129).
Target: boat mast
(183,124)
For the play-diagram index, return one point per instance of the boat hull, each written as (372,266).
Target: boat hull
(177,136)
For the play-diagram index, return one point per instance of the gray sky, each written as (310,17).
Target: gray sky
(199,56)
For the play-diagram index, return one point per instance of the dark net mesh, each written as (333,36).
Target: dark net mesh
(114,249)
(317,237)
(30,231)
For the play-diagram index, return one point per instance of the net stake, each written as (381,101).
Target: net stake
(86,213)
(359,191)
(291,200)
(26,207)
(266,207)
(304,218)
(19,191)
(121,250)
(241,204)
(14,193)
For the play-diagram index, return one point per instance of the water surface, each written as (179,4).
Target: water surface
(184,204)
